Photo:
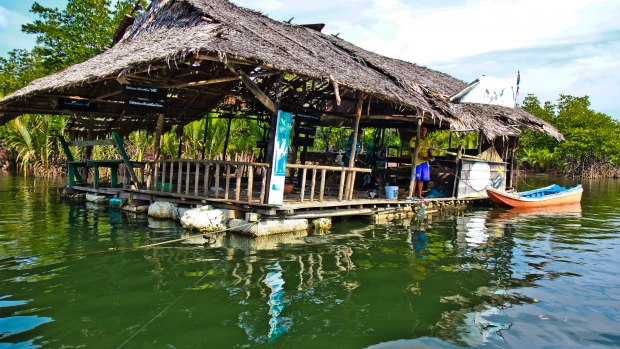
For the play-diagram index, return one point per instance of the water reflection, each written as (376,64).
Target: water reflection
(457,279)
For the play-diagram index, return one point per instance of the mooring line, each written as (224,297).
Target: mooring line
(181,296)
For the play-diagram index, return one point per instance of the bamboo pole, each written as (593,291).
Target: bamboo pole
(154,187)
(312,186)
(250,183)
(227,182)
(322,189)
(206,179)
(196,179)
(217,181)
(358,115)
(180,177)
(171,177)
(187,179)
(238,184)
(415,158)
(303,183)
(163,176)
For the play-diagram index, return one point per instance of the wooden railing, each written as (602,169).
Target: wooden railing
(345,189)
(195,178)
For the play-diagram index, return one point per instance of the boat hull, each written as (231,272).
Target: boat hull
(501,198)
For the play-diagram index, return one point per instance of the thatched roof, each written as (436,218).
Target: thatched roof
(160,46)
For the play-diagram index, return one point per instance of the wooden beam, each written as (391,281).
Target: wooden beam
(228,59)
(158,133)
(358,116)
(256,91)
(223,79)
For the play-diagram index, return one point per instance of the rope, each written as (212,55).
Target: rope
(183,294)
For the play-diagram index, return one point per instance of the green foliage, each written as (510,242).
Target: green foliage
(18,70)
(591,137)
(77,33)
(32,141)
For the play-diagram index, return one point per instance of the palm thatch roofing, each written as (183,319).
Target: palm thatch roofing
(189,46)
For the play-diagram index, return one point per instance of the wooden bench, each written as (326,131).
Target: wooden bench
(72,164)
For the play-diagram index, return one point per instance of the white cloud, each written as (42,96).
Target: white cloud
(3,21)
(483,27)
(11,36)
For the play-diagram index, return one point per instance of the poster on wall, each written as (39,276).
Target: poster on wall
(278,167)
(477,175)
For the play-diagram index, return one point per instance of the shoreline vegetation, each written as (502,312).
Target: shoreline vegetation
(29,143)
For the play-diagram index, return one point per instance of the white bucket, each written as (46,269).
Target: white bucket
(391,192)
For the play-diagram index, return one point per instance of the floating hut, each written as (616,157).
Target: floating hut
(181,61)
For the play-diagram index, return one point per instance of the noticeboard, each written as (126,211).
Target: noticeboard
(151,93)
(76,104)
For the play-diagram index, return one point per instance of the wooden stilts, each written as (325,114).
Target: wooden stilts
(414,160)
(158,133)
(358,115)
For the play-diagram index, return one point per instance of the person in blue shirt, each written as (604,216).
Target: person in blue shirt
(349,145)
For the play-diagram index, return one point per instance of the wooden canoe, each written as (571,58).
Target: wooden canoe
(552,195)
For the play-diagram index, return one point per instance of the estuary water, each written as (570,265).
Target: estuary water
(71,276)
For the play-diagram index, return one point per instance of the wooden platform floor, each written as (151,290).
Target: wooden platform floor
(291,207)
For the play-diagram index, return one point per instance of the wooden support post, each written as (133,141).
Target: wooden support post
(414,160)
(155,177)
(163,177)
(256,91)
(227,181)
(71,176)
(187,178)
(196,179)
(206,179)
(516,165)
(171,177)
(341,186)
(114,176)
(121,150)
(479,143)
(217,181)
(322,189)
(158,134)
(89,149)
(125,177)
(312,186)
(303,183)
(350,195)
(180,178)
(95,177)
(358,115)
(456,177)
(238,182)
(263,186)
(272,134)
(250,182)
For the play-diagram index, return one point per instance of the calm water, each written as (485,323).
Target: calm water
(484,277)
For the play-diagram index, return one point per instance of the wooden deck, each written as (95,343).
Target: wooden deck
(290,208)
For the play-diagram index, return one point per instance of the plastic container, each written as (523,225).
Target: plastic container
(116,202)
(391,192)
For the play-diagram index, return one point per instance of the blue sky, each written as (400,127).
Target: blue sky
(570,47)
